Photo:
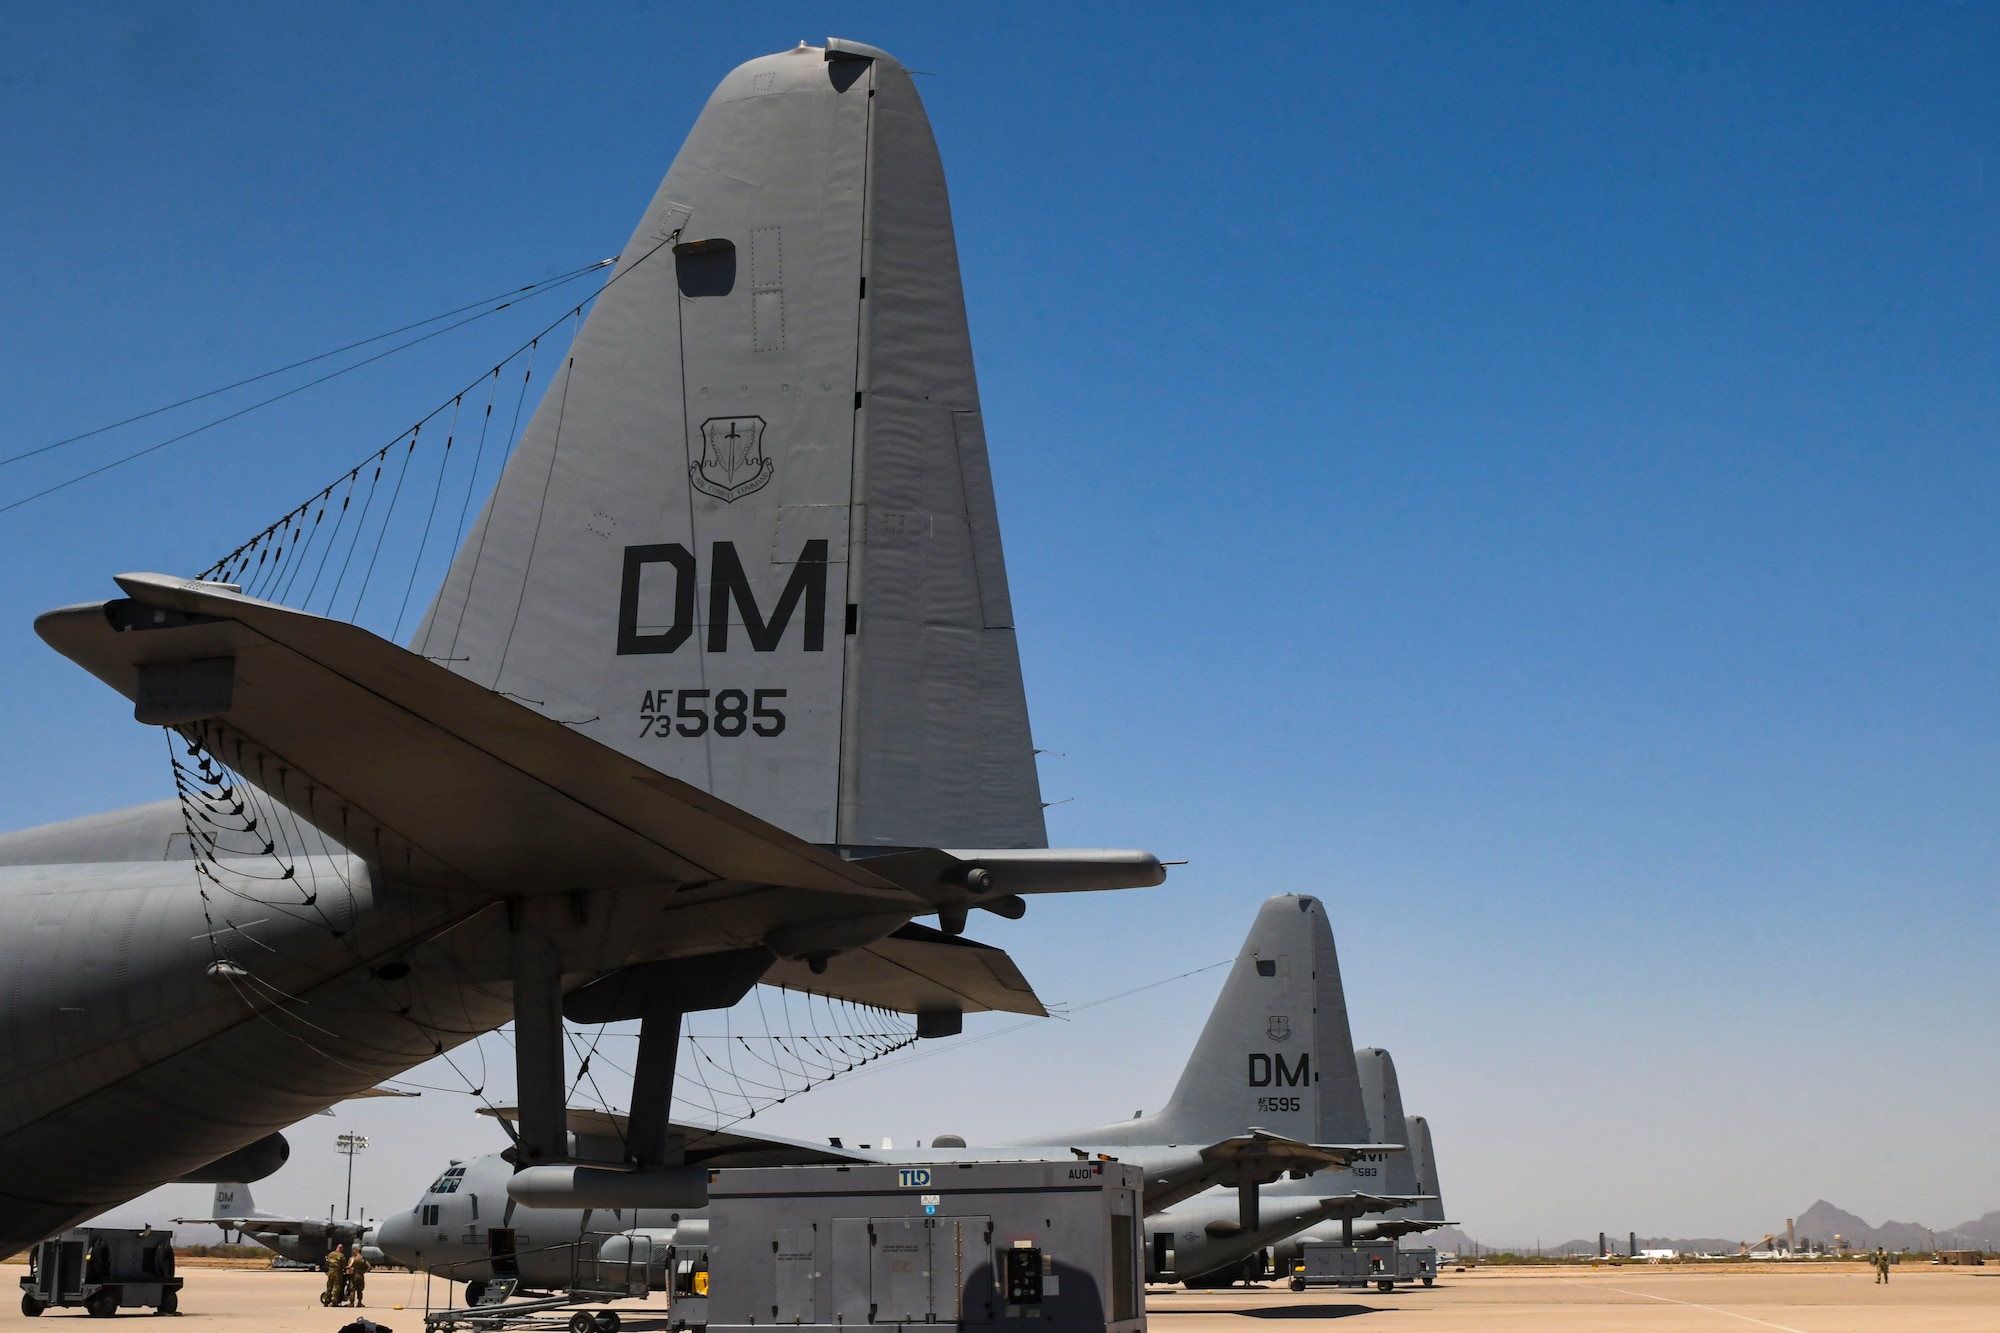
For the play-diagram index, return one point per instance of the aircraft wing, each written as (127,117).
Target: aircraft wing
(1258,1156)
(469,789)
(917,970)
(704,1146)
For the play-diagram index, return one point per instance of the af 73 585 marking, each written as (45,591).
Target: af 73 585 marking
(665,713)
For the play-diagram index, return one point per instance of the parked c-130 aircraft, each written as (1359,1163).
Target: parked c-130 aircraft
(1271,1089)
(305,1239)
(758,492)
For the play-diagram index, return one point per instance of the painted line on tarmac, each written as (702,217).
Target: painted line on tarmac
(1710,1308)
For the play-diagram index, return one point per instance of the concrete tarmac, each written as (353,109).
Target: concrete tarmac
(1831,1298)
(1816,1298)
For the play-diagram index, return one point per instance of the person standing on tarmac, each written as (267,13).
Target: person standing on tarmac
(336,1276)
(357,1275)
(1881,1265)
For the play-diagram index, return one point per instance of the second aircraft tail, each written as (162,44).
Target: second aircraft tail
(1276,1053)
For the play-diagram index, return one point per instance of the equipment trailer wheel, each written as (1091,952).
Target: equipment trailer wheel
(30,1306)
(1298,1284)
(101,1304)
(1385,1286)
(170,1303)
(607,1321)
(1427,1282)
(583,1321)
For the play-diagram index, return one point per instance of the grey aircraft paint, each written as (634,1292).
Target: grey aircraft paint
(1209,1244)
(448,1232)
(1282,999)
(767,451)
(1382,1098)
(1276,1052)
(742,445)
(306,1239)
(1425,1215)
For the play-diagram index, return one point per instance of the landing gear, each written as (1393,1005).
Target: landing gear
(473,1291)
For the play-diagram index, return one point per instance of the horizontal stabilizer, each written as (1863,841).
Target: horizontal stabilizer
(978,871)
(1405,1226)
(259,1224)
(701,1146)
(461,788)
(1258,1157)
(914,970)
(1361,1205)
(917,970)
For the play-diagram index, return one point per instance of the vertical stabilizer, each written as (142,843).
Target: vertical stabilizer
(748,536)
(1382,1096)
(1276,1052)
(234,1200)
(1417,1133)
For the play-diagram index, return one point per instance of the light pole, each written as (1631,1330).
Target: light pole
(347,1145)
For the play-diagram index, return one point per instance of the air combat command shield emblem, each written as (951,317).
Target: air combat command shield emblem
(732,462)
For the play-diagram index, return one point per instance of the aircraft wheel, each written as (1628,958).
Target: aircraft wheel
(607,1321)
(103,1303)
(473,1291)
(583,1321)
(30,1306)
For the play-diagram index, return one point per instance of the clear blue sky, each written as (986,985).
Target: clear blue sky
(1526,474)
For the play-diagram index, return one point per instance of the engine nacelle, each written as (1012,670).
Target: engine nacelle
(570,1186)
(251,1162)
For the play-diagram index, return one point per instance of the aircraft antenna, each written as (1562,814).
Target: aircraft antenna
(346,529)
(775,1044)
(237,413)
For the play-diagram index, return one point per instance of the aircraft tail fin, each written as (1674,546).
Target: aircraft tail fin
(1276,1052)
(233,1200)
(749,537)
(1417,1133)
(1382,1099)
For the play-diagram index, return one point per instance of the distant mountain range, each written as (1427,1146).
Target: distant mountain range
(1823,1221)
(1819,1223)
